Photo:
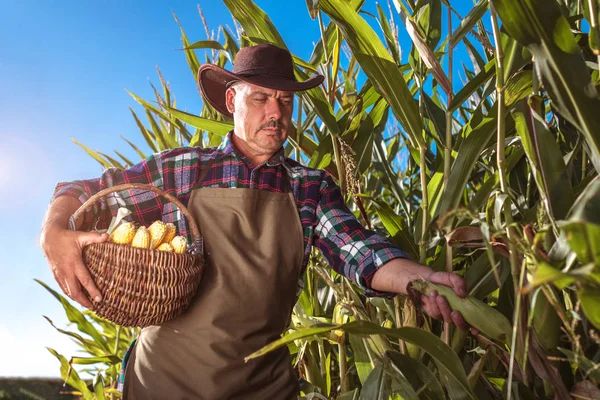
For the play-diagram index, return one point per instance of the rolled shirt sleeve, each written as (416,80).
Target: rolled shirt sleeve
(350,249)
(145,206)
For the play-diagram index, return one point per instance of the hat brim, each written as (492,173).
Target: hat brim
(213,82)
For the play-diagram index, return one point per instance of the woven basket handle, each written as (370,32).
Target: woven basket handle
(196,237)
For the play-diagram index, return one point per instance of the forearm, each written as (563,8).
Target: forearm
(58,214)
(395,275)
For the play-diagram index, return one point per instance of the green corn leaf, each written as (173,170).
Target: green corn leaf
(541,27)
(94,154)
(128,162)
(70,376)
(425,53)
(321,53)
(377,64)
(164,141)
(352,395)
(148,136)
(98,386)
(77,317)
(588,367)
(469,21)
(473,85)
(89,345)
(441,353)
(190,56)
(230,44)
(137,150)
(109,359)
(417,374)
(468,153)
(377,385)
(216,127)
(390,39)
(362,362)
(545,158)
(112,161)
(397,229)
(205,44)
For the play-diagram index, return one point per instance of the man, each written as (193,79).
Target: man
(259,214)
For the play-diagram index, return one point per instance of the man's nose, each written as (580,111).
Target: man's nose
(273,109)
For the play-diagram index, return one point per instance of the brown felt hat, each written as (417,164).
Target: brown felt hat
(263,65)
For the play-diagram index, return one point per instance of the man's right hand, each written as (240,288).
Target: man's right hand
(63,249)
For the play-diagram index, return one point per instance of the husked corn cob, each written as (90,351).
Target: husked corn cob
(479,315)
(165,247)
(157,231)
(171,232)
(179,244)
(141,239)
(123,234)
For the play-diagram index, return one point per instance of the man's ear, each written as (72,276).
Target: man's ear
(230,99)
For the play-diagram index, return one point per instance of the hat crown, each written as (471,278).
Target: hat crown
(264,59)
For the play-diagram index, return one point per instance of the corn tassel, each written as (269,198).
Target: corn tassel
(179,244)
(479,315)
(123,234)
(157,231)
(141,240)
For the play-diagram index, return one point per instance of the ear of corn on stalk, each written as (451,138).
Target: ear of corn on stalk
(157,230)
(165,247)
(123,234)
(409,318)
(141,239)
(479,315)
(179,244)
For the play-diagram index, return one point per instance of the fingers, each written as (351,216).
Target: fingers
(438,308)
(85,238)
(86,281)
(430,305)
(456,282)
(445,309)
(73,290)
(459,321)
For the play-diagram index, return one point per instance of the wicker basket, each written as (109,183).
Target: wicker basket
(142,287)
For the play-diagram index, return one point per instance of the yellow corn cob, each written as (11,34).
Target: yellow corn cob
(179,244)
(478,314)
(165,247)
(123,234)
(141,239)
(157,233)
(171,232)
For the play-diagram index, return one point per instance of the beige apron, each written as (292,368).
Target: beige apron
(254,250)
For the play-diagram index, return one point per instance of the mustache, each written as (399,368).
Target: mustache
(273,123)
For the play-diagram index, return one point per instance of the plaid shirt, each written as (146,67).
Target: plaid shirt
(327,223)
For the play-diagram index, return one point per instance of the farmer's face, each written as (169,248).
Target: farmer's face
(262,117)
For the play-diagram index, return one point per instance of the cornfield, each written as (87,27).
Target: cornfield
(497,181)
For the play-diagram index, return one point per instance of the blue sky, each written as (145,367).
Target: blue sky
(64,68)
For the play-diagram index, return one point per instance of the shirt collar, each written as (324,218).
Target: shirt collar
(226,148)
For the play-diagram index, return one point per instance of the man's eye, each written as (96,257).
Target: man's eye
(260,99)
(287,102)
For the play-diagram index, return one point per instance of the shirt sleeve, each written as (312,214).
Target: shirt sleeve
(350,249)
(145,206)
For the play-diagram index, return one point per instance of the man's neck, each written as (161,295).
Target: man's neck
(242,147)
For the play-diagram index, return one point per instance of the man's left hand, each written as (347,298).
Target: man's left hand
(395,276)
